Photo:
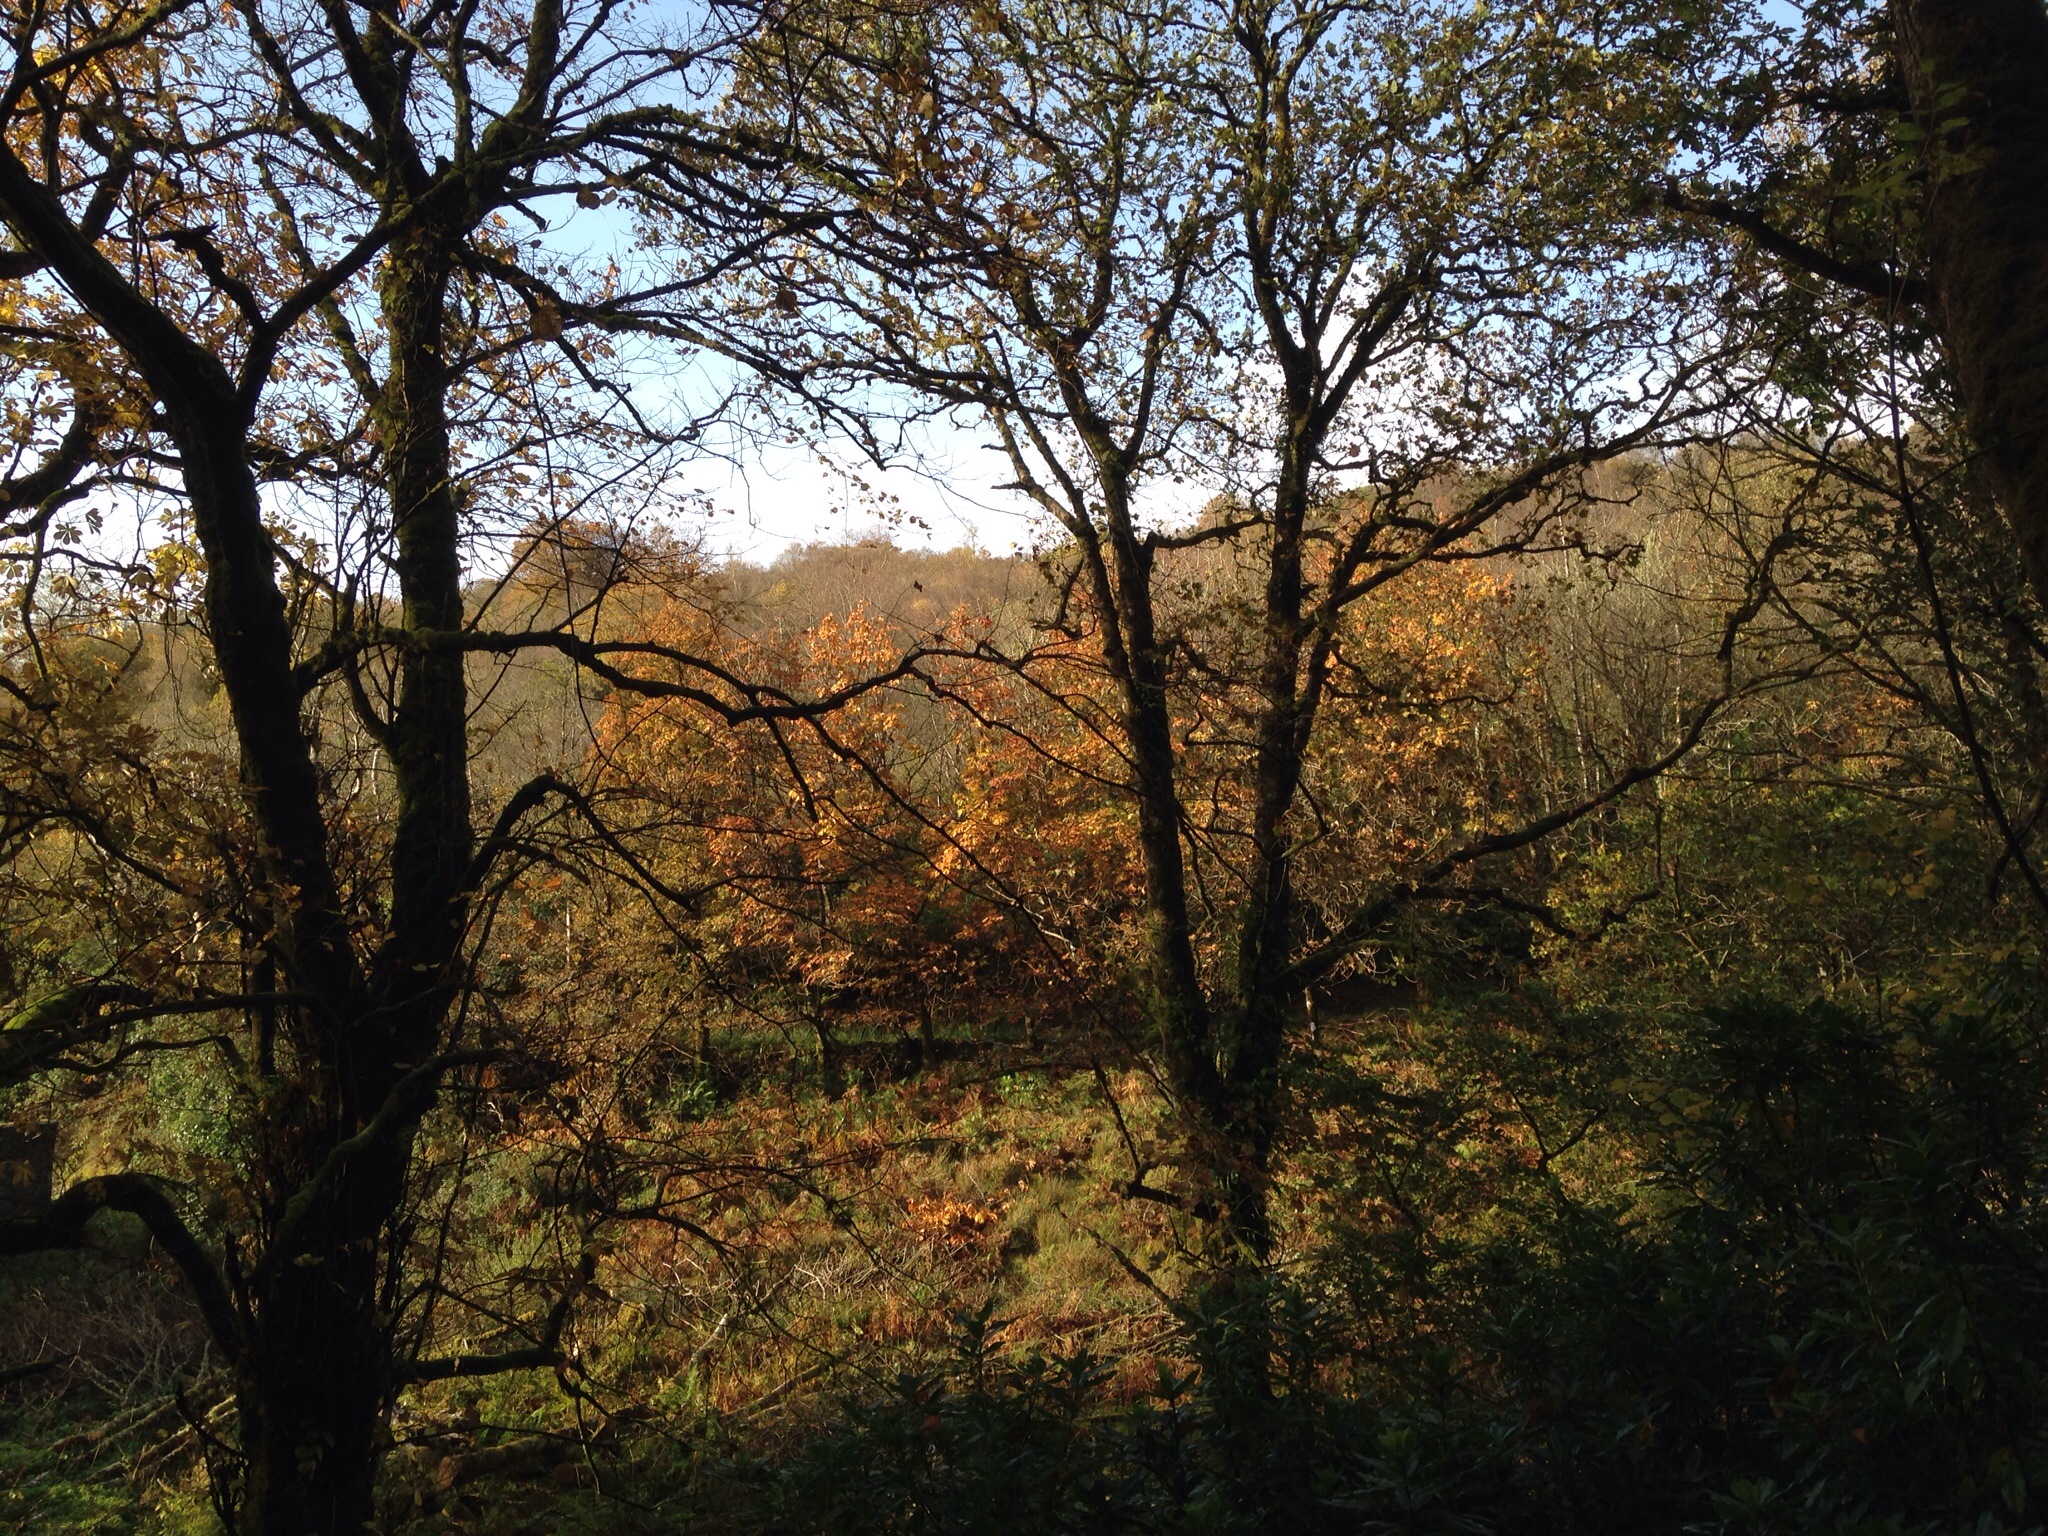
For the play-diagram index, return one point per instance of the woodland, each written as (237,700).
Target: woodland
(1455,942)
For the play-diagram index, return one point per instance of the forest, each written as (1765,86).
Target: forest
(1455,939)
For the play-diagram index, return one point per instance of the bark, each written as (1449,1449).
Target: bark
(1976,73)
(537,1455)
(1121,578)
(1264,1010)
(62,1225)
(310,1398)
(433,842)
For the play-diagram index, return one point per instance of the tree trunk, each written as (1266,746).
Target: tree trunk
(432,842)
(1976,73)
(1122,592)
(318,1379)
(1265,1009)
(311,1401)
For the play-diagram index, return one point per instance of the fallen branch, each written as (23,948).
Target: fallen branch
(13,1373)
(535,1456)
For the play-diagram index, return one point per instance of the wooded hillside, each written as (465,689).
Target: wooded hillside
(1490,979)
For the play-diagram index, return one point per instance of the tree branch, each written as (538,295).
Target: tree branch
(546,1355)
(1871,279)
(62,1226)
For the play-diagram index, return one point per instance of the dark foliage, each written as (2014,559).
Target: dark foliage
(1838,1323)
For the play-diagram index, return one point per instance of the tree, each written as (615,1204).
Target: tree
(273,251)
(1903,172)
(1371,268)
(1875,163)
